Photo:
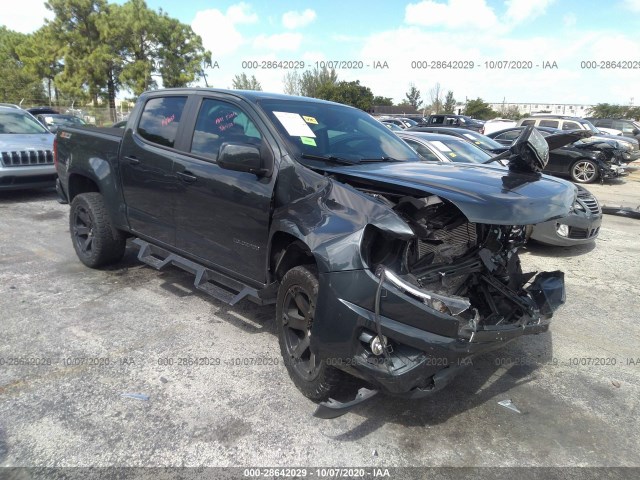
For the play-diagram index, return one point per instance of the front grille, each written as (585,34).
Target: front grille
(450,243)
(582,233)
(27,158)
(589,201)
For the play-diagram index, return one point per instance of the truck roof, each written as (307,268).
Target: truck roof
(250,95)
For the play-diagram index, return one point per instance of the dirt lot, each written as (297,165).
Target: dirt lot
(125,329)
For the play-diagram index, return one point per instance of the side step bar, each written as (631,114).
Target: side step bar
(216,284)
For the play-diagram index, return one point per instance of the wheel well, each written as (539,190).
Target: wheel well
(288,252)
(80,184)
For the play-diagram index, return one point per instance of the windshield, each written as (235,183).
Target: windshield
(63,120)
(334,132)
(481,141)
(17,122)
(458,150)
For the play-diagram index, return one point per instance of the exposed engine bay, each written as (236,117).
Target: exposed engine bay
(469,270)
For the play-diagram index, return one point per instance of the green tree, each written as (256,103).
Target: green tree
(242,82)
(180,54)
(606,110)
(479,109)
(291,83)
(312,80)
(413,97)
(105,47)
(40,56)
(349,93)
(449,103)
(382,101)
(435,93)
(16,82)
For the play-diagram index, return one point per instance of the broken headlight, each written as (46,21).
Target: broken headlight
(450,304)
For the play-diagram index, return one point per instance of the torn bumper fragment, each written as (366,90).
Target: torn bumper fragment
(428,337)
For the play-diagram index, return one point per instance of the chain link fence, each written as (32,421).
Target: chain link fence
(99,116)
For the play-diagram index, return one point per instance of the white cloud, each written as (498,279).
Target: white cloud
(293,19)
(520,10)
(567,84)
(569,20)
(218,30)
(288,41)
(452,14)
(241,13)
(633,5)
(25,16)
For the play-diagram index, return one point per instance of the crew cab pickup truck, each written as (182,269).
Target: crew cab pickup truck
(380,266)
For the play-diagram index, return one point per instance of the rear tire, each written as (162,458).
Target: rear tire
(584,171)
(295,312)
(96,242)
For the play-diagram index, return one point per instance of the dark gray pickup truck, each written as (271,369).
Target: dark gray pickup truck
(381,267)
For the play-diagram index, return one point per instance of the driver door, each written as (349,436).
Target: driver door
(222,216)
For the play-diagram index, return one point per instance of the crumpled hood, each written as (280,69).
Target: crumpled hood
(32,141)
(484,193)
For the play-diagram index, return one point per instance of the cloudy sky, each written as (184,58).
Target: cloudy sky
(400,33)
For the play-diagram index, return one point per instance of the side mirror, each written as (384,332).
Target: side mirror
(635,131)
(529,152)
(243,157)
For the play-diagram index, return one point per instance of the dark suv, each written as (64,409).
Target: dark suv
(629,128)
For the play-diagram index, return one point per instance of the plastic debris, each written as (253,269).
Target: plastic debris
(137,396)
(509,404)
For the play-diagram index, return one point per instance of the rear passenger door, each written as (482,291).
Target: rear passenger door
(222,216)
(146,168)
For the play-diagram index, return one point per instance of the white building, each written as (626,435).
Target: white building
(573,109)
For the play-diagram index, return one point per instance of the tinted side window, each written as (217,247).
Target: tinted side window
(527,122)
(549,123)
(422,150)
(569,126)
(220,122)
(602,123)
(437,120)
(512,135)
(160,120)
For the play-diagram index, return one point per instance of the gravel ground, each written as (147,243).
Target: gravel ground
(117,331)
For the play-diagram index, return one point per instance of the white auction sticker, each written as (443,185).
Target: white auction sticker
(294,124)
(441,146)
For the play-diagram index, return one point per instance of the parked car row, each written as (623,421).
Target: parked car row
(582,225)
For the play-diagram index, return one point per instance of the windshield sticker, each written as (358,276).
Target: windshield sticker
(452,155)
(310,120)
(308,141)
(294,124)
(441,146)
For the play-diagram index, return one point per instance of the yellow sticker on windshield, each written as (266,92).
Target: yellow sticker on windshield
(310,120)
(451,154)
(308,141)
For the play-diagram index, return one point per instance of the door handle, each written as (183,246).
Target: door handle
(187,176)
(132,160)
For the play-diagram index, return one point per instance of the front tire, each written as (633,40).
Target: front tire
(295,312)
(95,240)
(584,171)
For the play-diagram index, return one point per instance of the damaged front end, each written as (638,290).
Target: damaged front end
(470,271)
(610,160)
(453,291)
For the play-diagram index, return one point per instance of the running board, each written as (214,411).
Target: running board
(216,284)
